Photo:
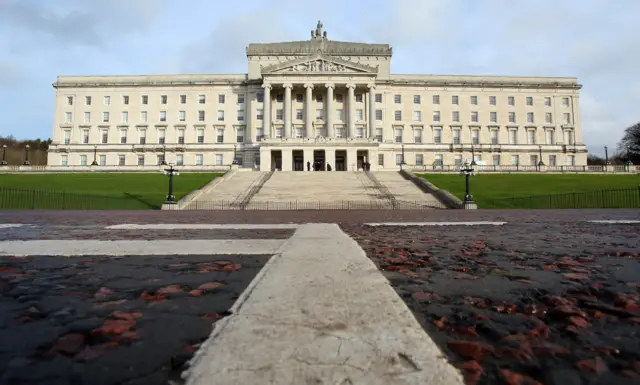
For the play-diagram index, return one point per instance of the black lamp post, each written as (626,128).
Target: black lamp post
(606,155)
(235,161)
(164,156)
(467,170)
(4,155)
(26,155)
(473,155)
(95,154)
(402,162)
(171,172)
(540,163)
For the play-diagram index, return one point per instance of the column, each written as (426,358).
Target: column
(308,121)
(287,159)
(372,111)
(330,157)
(308,157)
(249,119)
(329,110)
(287,111)
(351,119)
(265,159)
(352,159)
(266,115)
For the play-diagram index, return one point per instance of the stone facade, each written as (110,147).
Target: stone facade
(333,102)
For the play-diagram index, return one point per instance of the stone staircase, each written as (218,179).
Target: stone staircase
(231,193)
(404,191)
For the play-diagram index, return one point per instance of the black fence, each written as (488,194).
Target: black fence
(24,199)
(315,205)
(597,199)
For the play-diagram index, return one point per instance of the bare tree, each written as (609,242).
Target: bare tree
(629,145)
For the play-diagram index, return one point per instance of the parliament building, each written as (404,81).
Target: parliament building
(328,102)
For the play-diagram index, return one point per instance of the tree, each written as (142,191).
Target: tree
(595,160)
(629,145)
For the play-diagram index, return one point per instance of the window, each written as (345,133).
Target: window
(398,135)
(221,99)
(299,115)
(67,137)
(568,137)
(530,117)
(319,114)
(496,160)
(161,137)
(319,98)
(416,99)
(182,116)
(358,98)
(419,159)
(259,97)
(143,136)
(493,117)
(202,99)
(69,100)
(199,159)
(145,99)
(140,160)
(567,118)
(456,136)
(552,160)
(380,159)
(378,98)
(105,117)
(125,117)
(511,100)
(571,160)
(163,99)
(260,114)
(474,116)
(359,132)
(299,98)
(102,160)
(68,117)
(159,159)
(512,117)
(475,136)
(417,136)
(221,115)
(436,99)
(565,102)
(220,136)
(379,134)
(494,136)
(181,136)
(123,136)
(454,100)
(398,115)
(492,100)
(548,117)
(87,117)
(437,136)
(533,160)
(513,137)
(201,116)
(529,100)
(240,115)
(340,115)
(378,114)
(477,157)
(179,160)
(531,137)
(183,99)
(240,135)
(397,99)
(547,101)
(279,132)
(515,160)
(279,98)
(360,115)
(399,159)
(143,116)
(125,99)
(438,160)
(200,135)
(339,98)
(83,160)
(87,100)
(455,116)
(279,114)
(163,116)
(436,116)
(241,98)
(458,160)
(85,136)
(107,100)
(417,116)
(474,100)
(551,136)
(340,132)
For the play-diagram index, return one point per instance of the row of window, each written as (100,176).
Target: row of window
(202,99)
(496,160)
(141,160)
(142,136)
(339,116)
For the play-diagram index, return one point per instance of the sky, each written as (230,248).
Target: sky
(594,40)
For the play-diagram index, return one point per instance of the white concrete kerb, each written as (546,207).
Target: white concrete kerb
(615,221)
(197,226)
(10,225)
(479,223)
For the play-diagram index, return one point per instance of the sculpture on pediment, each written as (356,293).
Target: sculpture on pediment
(318,33)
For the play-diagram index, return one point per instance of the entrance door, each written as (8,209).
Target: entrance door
(276,159)
(298,163)
(340,163)
(318,160)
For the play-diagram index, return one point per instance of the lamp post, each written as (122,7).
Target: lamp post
(171,172)
(473,155)
(164,156)
(4,155)
(95,154)
(26,155)
(606,155)
(467,170)
(540,163)
(235,161)
(402,162)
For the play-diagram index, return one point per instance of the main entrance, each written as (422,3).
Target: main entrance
(298,160)
(276,160)
(319,161)
(341,160)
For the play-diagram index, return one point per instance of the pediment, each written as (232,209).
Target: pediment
(319,64)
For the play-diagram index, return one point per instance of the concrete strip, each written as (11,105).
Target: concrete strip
(209,226)
(10,225)
(615,221)
(479,223)
(322,313)
(138,247)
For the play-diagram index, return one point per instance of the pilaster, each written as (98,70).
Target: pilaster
(351,120)
(308,128)
(329,110)
(287,159)
(330,158)
(287,110)
(266,116)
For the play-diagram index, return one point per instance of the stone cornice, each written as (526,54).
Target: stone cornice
(314,46)
(150,81)
(480,84)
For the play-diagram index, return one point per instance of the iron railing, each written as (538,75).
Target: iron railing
(25,199)
(597,199)
(519,168)
(317,205)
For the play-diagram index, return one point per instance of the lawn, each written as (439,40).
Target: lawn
(95,190)
(510,190)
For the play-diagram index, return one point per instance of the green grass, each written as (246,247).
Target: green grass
(96,190)
(509,190)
